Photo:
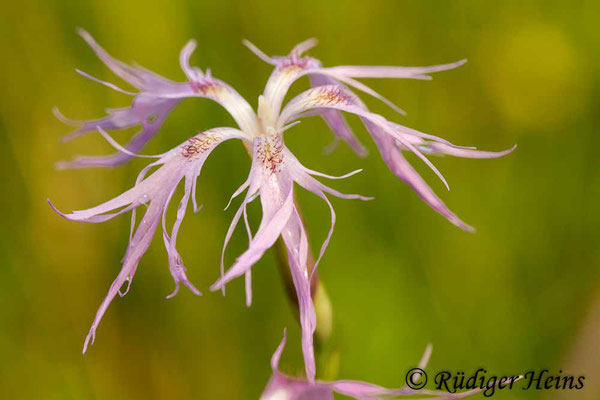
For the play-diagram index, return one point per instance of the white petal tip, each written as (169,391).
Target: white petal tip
(193,289)
(467,228)
(62,165)
(174,293)
(89,340)
(58,115)
(86,36)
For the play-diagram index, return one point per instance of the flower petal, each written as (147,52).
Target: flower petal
(294,236)
(265,237)
(376,71)
(442,148)
(156,190)
(258,52)
(157,98)
(149,112)
(384,135)
(140,242)
(402,169)
(335,119)
(140,78)
(176,266)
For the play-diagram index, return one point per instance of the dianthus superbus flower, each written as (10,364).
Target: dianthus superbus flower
(274,171)
(286,387)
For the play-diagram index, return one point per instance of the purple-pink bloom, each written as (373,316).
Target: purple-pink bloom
(286,387)
(274,170)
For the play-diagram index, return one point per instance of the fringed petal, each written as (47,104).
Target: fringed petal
(138,246)
(265,237)
(229,234)
(384,135)
(138,77)
(258,52)
(377,71)
(336,121)
(149,112)
(176,266)
(402,169)
(294,237)
(441,148)
(156,190)
(158,96)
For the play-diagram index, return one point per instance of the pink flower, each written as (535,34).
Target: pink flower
(274,171)
(285,387)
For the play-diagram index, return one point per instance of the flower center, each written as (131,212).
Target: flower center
(270,151)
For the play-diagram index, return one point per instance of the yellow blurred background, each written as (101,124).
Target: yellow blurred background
(522,293)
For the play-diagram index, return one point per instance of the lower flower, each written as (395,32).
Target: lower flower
(285,387)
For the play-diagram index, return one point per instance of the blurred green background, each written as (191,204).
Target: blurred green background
(522,293)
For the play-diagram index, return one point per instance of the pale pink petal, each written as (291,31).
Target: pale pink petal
(248,287)
(176,266)
(278,352)
(229,234)
(370,71)
(402,169)
(156,191)
(336,97)
(442,148)
(107,84)
(140,242)
(335,119)
(303,47)
(360,86)
(258,52)
(192,73)
(142,79)
(157,98)
(148,112)
(265,237)
(296,243)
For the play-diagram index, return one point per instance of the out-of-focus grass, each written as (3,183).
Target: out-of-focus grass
(512,297)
